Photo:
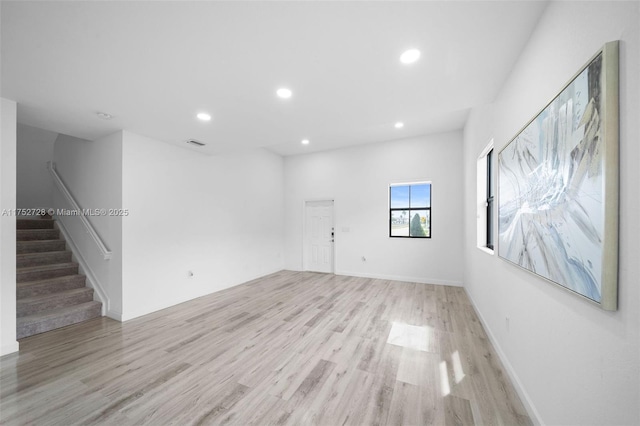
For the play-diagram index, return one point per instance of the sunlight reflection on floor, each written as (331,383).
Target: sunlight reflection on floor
(411,336)
(457,367)
(444,379)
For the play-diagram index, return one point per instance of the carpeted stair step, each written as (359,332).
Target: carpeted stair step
(43,258)
(47,302)
(34,224)
(50,293)
(49,286)
(42,272)
(37,234)
(38,246)
(56,318)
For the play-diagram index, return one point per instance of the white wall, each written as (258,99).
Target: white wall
(8,119)
(358,180)
(34,185)
(92,171)
(574,363)
(218,217)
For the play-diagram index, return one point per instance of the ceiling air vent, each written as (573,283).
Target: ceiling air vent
(195,142)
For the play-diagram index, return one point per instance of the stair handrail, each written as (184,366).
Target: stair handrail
(106,253)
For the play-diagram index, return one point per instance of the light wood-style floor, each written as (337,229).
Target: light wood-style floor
(292,348)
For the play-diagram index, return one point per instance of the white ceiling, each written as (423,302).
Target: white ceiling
(154,65)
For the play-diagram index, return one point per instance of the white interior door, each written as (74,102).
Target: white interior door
(319,236)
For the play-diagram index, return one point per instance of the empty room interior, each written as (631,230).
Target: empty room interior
(320,213)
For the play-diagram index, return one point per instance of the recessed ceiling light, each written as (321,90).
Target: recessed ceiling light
(104,115)
(284,93)
(203,116)
(410,56)
(305,142)
(399,125)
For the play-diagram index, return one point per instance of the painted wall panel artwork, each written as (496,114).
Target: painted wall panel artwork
(558,186)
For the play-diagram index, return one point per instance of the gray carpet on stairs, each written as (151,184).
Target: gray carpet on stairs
(50,292)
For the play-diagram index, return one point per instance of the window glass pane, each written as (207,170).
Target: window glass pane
(399,196)
(419,223)
(400,223)
(421,195)
(489,201)
(489,173)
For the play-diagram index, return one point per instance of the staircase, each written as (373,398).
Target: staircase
(50,292)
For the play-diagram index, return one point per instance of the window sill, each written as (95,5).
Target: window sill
(486,250)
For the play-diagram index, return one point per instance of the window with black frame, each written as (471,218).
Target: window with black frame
(489,201)
(410,210)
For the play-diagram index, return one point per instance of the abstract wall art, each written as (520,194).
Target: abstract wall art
(558,186)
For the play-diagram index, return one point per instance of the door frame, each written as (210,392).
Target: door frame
(304,232)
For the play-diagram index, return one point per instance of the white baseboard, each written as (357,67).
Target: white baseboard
(422,280)
(167,304)
(116,315)
(10,348)
(517,384)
